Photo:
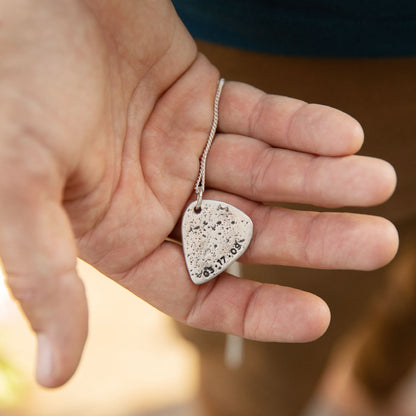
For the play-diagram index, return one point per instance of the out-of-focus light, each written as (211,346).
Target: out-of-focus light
(8,308)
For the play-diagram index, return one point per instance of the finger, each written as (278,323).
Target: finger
(316,240)
(255,170)
(321,240)
(39,258)
(312,239)
(227,304)
(286,122)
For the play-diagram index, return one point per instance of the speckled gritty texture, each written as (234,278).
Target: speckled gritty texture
(214,238)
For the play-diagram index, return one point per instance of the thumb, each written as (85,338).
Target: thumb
(38,252)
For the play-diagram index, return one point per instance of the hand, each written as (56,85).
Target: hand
(105,111)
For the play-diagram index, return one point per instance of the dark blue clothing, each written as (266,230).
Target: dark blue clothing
(344,28)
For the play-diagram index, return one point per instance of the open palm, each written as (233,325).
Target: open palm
(105,112)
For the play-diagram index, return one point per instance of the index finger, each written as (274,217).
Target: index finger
(287,122)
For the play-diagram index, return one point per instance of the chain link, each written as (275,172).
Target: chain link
(200,182)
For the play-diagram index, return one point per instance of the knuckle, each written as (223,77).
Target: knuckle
(26,290)
(25,159)
(260,168)
(25,168)
(257,113)
(314,241)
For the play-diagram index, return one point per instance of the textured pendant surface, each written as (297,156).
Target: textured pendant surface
(213,238)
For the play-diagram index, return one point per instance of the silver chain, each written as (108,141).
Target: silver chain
(200,182)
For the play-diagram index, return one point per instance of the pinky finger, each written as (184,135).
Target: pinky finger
(227,304)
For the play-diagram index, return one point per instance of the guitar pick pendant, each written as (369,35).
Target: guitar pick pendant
(214,234)
(213,237)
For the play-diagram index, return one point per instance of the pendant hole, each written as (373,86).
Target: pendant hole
(197,210)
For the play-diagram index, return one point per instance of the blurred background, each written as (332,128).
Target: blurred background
(134,363)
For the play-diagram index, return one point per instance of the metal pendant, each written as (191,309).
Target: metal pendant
(213,237)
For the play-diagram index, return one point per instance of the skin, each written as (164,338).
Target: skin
(105,108)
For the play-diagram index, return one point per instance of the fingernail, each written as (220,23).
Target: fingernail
(45,362)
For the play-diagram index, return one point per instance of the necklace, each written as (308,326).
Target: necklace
(214,234)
